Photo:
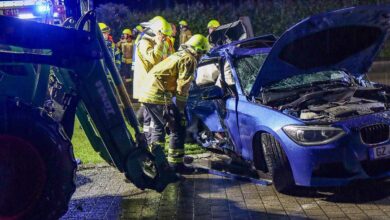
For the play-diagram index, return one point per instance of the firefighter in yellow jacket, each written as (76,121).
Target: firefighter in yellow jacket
(125,48)
(149,51)
(185,32)
(167,80)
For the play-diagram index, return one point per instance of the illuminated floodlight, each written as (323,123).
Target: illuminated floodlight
(43,7)
(26,16)
(55,14)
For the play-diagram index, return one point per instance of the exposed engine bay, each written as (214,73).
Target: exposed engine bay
(328,103)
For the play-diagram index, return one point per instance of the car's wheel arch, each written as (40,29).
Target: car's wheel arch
(258,151)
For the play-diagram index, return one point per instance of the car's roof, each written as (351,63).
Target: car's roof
(265,41)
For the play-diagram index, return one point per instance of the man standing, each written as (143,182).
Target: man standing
(212,25)
(168,79)
(170,42)
(110,43)
(185,32)
(125,47)
(149,51)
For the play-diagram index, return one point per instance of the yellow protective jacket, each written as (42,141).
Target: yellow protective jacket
(126,50)
(171,77)
(169,47)
(148,53)
(184,36)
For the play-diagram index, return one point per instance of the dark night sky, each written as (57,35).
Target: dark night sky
(153,4)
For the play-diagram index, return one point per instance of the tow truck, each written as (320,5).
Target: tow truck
(48,75)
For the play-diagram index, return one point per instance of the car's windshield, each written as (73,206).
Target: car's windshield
(247,68)
(309,79)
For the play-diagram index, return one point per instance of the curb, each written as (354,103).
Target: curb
(90,166)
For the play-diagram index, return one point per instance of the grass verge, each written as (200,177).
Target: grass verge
(84,151)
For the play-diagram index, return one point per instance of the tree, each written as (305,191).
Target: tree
(114,15)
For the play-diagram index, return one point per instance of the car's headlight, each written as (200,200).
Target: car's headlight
(313,135)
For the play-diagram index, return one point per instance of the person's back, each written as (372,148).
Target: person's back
(163,81)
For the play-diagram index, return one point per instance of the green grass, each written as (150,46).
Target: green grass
(82,148)
(84,151)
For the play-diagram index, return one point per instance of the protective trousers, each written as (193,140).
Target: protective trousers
(159,119)
(127,75)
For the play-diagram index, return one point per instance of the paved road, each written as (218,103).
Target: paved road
(102,193)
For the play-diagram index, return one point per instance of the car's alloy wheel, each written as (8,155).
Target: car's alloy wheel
(277,163)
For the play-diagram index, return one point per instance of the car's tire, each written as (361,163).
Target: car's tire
(277,164)
(37,165)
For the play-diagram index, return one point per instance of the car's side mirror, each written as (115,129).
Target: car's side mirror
(213,93)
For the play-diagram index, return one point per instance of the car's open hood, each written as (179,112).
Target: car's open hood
(346,39)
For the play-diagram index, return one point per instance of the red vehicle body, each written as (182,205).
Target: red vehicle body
(44,11)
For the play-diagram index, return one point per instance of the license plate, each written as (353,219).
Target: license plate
(380,152)
(9,12)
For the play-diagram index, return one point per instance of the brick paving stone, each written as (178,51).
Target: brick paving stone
(372,213)
(102,193)
(314,212)
(335,214)
(352,210)
(317,217)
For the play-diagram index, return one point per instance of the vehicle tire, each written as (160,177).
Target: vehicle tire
(37,165)
(277,164)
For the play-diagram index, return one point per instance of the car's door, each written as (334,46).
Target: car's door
(242,113)
(217,114)
(201,109)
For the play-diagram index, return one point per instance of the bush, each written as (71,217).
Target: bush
(266,16)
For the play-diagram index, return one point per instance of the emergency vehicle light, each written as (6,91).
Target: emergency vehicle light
(26,16)
(43,7)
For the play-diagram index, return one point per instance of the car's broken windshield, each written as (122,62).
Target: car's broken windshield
(247,68)
(310,79)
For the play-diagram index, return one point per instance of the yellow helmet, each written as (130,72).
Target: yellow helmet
(139,28)
(199,43)
(104,28)
(213,24)
(127,31)
(183,23)
(157,18)
(161,25)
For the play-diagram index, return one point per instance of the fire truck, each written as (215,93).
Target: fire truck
(44,11)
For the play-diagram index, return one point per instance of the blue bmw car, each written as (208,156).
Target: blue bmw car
(299,108)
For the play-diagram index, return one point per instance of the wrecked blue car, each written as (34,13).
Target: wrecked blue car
(300,108)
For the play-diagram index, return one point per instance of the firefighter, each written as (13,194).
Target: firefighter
(137,31)
(212,25)
(125,48)
(170,42)
(185,32)
(149,51)
(170,79)
(110,43)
